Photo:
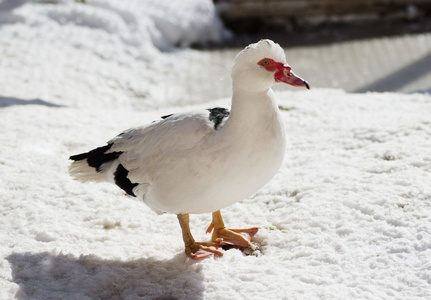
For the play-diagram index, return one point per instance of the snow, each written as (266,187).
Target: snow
(348,215)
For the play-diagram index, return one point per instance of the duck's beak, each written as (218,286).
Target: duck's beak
(285,75)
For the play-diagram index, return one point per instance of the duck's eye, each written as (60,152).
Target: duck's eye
(265,62)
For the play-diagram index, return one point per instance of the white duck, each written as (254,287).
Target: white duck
(203,161)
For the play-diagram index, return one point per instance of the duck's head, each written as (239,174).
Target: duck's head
(261,65)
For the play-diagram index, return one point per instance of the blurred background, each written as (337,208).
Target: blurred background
(354,45)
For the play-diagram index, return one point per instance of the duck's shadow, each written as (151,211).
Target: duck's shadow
(46,276)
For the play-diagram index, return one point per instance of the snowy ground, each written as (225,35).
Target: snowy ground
(348,215)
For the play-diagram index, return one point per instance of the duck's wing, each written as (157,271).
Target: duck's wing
(154,148)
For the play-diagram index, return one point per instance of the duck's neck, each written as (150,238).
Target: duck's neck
(252,110)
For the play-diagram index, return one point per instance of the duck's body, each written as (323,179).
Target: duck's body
(201,162)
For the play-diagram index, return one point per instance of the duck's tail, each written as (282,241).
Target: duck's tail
(95,165)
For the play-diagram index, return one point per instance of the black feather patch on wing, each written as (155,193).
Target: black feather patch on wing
(217,115)
(121,179)
(97,157)
(165,117)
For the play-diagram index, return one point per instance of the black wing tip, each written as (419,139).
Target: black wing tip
(92,153)
(97,157)
(123,182)
(78,157)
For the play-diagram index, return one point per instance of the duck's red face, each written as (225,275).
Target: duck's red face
(282,73)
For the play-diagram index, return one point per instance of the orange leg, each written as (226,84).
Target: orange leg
(224,236)
(194,250)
